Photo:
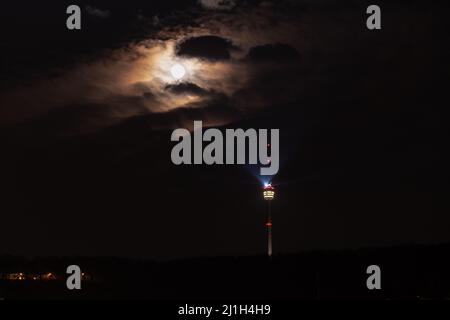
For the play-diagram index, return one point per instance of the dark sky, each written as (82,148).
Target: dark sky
(86,118)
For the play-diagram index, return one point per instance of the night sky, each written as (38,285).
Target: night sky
(86,118)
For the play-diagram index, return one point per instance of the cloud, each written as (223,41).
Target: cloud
(218,4)
(135,80)
(211,48)
(117,85)
(221,53)
(99,13)
(186,88)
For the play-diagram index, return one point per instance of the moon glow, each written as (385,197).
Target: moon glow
(178,71)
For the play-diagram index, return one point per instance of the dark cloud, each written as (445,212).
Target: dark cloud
(217,110)
(273,52)
(217,4)
(211,48)
(99,13)
(186,88)
(215,113)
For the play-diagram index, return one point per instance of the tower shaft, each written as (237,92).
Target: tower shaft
(269,232)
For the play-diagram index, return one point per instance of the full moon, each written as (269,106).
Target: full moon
(178,71)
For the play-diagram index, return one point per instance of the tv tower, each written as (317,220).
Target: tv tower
(269,194)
